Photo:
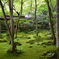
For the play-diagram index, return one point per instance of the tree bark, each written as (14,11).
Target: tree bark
(57,25)
(12,25)
(21,7)
(36,19)
(4,14)
(0,29)
(17,27)
(51,22)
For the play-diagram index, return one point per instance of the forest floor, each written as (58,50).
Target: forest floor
(30,49)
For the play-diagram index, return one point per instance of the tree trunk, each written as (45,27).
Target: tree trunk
(51,22)
(17,27)
(0,29)
(31,7)
(21,7)
(11,25)
(4,14)
(57,29)
(36,20)
(57,25)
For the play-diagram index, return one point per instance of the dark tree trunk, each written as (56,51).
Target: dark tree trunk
(4,14)
(57,25)
(36,20)
(0,29)
(21,7)
(57,29)
(17,22)
(51,22)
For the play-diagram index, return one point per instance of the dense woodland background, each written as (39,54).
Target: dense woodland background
(29,29)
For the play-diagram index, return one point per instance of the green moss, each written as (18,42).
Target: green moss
(35,52)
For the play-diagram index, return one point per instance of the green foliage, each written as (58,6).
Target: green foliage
(25,25)
(31,49)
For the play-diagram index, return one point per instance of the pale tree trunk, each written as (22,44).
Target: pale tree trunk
(11,25)
(11,28)
(31,6)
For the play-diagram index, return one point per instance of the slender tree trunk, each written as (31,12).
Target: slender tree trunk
(21,7)
(36,19)
(4,14)
(57,29)
(0,29)
(57,25)
(51,22)
(31,6)
(17,27)
(12,25)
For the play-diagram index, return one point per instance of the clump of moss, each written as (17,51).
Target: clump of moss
(31,41)
(47,43)
(16,52)
(50,54)
(30,46)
